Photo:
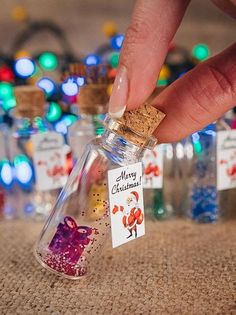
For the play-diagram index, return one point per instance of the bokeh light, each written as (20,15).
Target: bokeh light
(24,67)
(48,61)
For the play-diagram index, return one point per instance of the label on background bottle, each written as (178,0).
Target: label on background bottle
(126,203)
(49,159)
(153,168)
(226,159)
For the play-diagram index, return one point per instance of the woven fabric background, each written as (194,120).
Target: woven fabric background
(177,268)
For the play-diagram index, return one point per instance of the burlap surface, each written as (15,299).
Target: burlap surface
(177,268)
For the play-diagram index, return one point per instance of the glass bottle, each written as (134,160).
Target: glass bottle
(203,194)
(93,99)
(31,201)
(80,220)
(157,187)
(207,202)
(8,195)
(183,172)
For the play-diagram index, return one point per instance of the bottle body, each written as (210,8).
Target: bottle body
(31,201)
(80,221)
(204,198)
(79,134)
(157,187)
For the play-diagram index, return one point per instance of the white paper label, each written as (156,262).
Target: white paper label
(49,159)
(226,159)
(126,203)
(153,168)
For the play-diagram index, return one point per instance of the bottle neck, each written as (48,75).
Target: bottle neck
(120,150)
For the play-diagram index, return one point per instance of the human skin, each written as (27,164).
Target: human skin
(196,99)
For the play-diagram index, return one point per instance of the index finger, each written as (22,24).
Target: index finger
(153,25)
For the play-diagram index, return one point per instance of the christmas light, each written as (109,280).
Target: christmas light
(60,127)
(92,60)
(69,119)
(80,81)
(48,61)
(23,171)
(113,59)
(70,88)
(117,41)
(47,85)
(8,104)
(201,52)
(54,112)
(6,90)
(6,175)
(6,74)
(24,67)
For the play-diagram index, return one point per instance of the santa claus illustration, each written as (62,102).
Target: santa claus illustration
(132,214)
(230,166)
(151,168)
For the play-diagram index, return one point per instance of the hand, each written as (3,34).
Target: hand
(193,101)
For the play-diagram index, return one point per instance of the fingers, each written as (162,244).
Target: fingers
(199,97)
(153,25)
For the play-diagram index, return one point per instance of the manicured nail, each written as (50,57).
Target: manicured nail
(119,94)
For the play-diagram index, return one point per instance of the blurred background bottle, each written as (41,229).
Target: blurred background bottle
(34,198)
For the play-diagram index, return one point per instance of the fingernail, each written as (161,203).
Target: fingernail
(117,103)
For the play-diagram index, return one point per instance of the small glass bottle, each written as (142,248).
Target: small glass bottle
(204,207)
(29,111)
(80,221)
(209,202)
(157,188)
(8,195)
(93,99)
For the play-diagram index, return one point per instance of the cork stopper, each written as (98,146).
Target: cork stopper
(30,101)
(93,99)
(139,125)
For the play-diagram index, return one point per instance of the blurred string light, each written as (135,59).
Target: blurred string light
(8,104)
(69,87)
(113,59)
(64,123)
(164,76)
(189,151)
(23,171)
(196,143)
(92,60)
(61,127)
(39,122)
(80,81)
(7,96)
(117,41)
(54,113)
(6,74)
(6,90)
(24,67)
(109,28)
(169,151)
(29,208)
(179,151)
(201,52)
(21,54)
(6,174)
(48,61)
(109,89)
(69,119)
(47,85)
